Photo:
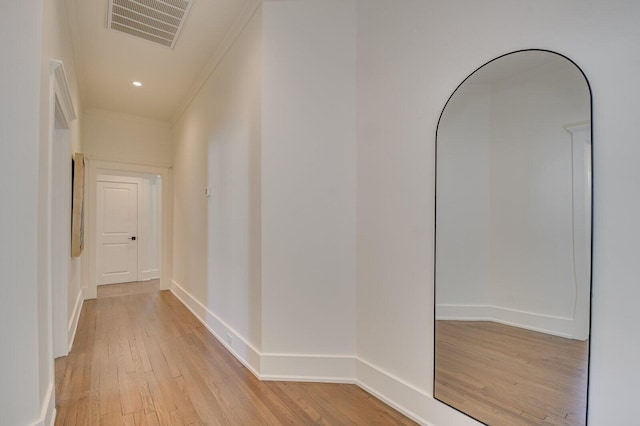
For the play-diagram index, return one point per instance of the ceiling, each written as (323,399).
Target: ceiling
(108,61)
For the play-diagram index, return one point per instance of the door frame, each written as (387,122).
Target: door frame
(61,114)
(582,188)
(96,167)
(123,179)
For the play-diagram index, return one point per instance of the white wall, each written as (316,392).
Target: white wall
(308,181)
(216,255)
(126,138)
(20,396)
(132,143)
(532,266)
(463,232)
(54,43)
(57,45)
(272,134)
(411,56)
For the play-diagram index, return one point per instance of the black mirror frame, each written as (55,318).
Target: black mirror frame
(435,221)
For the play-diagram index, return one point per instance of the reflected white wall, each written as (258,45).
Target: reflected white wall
(463,231)
(526,177)
(531,188)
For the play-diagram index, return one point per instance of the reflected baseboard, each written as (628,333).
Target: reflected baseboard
(413,402)
(48,410)
(75,317)
(236,344)
(548,324)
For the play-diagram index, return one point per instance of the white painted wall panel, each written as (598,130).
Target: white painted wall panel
(308,177)
(21,314)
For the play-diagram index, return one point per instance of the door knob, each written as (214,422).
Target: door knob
(132,238)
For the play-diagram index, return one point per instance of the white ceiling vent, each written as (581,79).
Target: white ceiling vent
(159,21)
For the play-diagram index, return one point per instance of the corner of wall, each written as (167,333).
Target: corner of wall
(75,317)
(244,351)
(48,413)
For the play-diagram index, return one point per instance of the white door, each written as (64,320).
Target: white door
(117,230)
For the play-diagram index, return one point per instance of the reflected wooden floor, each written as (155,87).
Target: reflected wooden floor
(141,358)
(506,375)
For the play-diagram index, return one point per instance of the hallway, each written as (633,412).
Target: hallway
(141,358)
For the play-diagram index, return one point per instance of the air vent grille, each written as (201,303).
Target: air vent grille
(159,21)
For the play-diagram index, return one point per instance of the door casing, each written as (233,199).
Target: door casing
(97,167)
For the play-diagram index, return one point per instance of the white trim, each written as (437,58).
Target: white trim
(78,63)
(128,163)
(244,351)
(581,232)
(75,317)
(150,274)
(130,118)
(548,324)
(417,404)
(62,89)
(97,167)
(308,368)
(61,113)
(118,179)
(48,411)
(416,401)
(234,32)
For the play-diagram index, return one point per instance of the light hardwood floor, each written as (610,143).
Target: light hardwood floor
(506,375)
(141,358)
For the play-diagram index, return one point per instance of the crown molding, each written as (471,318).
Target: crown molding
(62,89)
(237,27)
(76,51)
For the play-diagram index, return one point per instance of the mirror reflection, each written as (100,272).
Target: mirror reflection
(513,242)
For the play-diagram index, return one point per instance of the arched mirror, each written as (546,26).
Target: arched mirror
(513,242)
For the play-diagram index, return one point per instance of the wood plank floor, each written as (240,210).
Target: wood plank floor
(141,358)
(506,375)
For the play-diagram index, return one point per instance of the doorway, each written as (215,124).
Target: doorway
(148,173)
(128,216)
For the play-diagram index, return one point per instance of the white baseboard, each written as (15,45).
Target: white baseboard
(73,323)
(239,347)
(151,274)
(308,368)
(416,404)
(547,324)
(90,292)
(48,411)
(404,397)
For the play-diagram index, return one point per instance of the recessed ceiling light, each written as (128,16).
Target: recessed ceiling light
(137,83)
